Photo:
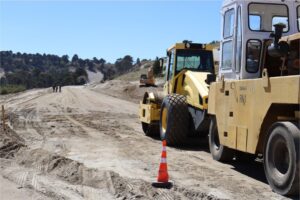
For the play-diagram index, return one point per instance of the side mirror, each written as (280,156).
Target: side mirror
(210,78)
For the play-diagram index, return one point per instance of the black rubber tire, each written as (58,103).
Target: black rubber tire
(151,130)
(177,120)
(282,158)
(192,133)
(217,150)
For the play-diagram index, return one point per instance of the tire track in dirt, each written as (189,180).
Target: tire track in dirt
(91,181)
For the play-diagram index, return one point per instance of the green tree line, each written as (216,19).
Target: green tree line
(46,70)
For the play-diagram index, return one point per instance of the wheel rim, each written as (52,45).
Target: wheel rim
(216,140)
(164,119)
(280,156)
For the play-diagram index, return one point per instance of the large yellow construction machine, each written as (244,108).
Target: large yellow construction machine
(183,105)
(254,105)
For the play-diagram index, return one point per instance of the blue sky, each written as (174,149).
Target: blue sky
(106,29)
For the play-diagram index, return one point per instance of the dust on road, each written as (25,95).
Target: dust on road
(87,144)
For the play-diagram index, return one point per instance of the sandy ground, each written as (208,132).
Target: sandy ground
(126,90)
(85,143)
(94,77)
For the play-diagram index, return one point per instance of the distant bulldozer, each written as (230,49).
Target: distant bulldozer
(147,80)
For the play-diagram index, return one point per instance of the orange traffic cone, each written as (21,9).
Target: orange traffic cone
(163,176)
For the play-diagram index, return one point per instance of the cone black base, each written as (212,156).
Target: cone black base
(166,185)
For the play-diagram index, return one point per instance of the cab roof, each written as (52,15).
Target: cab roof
(228,2)
(199,46)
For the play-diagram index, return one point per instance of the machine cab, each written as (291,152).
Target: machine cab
(187,56)
(246,25)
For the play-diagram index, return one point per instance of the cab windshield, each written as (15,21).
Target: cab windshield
(196,60)
(263,17)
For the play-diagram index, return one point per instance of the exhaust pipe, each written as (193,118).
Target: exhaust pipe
(278,49)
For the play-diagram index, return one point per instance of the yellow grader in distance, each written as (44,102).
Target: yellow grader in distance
(183,106)
(254,104)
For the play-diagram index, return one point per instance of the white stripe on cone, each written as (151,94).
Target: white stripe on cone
(163,160)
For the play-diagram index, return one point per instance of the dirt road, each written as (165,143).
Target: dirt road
(82,144)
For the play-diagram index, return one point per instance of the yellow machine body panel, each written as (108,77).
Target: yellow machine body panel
(149,112)
(193,86)
(241,107)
